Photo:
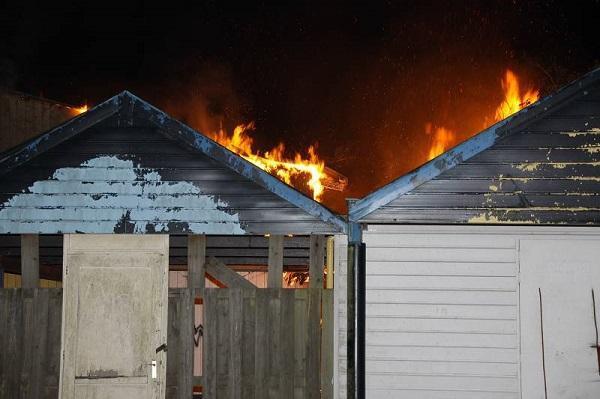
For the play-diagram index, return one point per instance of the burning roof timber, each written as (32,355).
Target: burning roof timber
(539,166)
(127,167)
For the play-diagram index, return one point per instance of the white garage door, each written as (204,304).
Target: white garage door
(441,314)
(560,300)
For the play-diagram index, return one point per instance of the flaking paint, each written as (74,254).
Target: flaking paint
(105,192)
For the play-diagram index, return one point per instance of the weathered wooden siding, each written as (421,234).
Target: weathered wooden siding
(442,315)
(136,180)
(262,343)
(548,172)
(126,167)
(180,345)
(23,117)
(30,342)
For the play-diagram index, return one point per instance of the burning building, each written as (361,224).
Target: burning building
(476,275)
(112,205)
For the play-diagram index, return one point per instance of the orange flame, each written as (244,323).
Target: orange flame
(275,161)
(79,110)
(513,100)
(444,138)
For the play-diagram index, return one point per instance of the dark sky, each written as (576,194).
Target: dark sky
(361,79)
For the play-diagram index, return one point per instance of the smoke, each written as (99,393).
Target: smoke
(204,97)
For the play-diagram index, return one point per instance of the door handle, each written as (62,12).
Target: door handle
(153,364)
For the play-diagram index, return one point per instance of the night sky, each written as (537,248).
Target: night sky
(359,79)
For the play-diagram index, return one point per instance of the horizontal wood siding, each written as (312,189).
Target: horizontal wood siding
(545,173)
(441,316)
(112,179)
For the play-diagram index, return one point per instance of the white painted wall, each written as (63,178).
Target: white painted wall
(443,310)
(339,312)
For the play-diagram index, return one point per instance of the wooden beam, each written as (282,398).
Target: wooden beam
(196,259)
(30,261)
(330,257)
(317,261)
(196,254)
(225,275)
(275,274)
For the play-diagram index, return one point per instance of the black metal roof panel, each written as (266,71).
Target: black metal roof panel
(127,167)
(541,166)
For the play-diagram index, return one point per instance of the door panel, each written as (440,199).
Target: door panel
(114,316)
(557,279)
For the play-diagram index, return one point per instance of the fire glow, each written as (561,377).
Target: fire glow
(310,168)
(79,110)
(443,138)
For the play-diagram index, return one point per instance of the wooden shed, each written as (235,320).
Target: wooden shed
(169,253)
(478,274)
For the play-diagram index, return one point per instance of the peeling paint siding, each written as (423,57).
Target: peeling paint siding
(139,197)
(538,175)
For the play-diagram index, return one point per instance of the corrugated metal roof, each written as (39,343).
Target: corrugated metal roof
(540,166)
(126,166)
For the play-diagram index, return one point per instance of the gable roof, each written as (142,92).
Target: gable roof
(383,205)
(131,109)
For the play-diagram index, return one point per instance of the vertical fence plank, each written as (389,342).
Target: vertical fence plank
(235,340)
(317,261)
(53,343)
(4,309)
(273,327)
(261,348)
(275,269)
(180,340)
(40,324)
(313,356)
(210,345)
(223,344)
(30,261)
(249,349)
(300,342)
(28,335)
(287,334)
(174,350)
(327,346)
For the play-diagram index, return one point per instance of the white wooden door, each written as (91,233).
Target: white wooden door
(557,279)
(114,316)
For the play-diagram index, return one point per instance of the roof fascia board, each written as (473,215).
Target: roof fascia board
(470,147)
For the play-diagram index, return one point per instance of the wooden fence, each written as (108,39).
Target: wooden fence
(263,343)
(30,322)
(266,343)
